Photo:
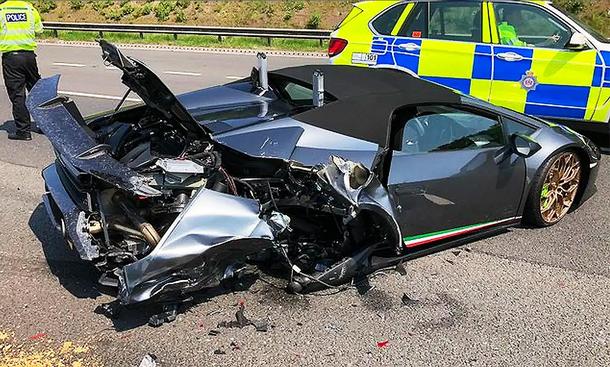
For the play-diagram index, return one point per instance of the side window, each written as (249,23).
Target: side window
(529,25)
(443,129)
(416,25)
(455,21)
(513,127)
(384,23)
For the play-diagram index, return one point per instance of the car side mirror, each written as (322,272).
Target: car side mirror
(524,146)
(578,42)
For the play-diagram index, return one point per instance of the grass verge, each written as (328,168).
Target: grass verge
(194,41)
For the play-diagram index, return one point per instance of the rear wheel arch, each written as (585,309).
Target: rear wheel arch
(532,196)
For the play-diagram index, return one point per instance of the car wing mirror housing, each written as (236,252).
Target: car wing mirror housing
(524,146)
(578,42)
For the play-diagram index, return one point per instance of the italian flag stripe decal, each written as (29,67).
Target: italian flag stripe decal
(423,239)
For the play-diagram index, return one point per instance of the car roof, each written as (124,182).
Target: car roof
(365,98)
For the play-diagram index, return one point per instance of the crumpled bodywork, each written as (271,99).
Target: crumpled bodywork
(215,230)
(163,210)
(58,118)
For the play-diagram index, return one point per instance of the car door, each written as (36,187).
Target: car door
(446,174)
(536,73)
(443,42)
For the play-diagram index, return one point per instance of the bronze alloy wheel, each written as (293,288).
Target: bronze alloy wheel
(560,187)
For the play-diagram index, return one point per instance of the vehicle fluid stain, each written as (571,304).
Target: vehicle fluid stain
(444,312)
(40,351)
(269,294)
(377,300)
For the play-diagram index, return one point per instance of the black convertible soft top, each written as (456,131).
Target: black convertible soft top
(365,98)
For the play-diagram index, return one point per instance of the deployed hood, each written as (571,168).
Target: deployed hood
(146,84)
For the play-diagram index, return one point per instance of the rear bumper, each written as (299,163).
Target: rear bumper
(66,216)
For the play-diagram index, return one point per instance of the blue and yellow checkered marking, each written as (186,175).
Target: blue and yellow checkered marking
(550,98)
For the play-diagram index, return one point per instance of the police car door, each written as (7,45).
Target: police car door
(535,73)
(443,42)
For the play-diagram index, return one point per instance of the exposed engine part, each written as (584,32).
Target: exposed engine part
(148,231)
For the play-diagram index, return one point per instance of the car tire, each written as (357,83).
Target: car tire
(554,190)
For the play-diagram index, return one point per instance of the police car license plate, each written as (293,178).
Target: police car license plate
(364,58)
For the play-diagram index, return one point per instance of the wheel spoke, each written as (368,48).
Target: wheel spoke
(560,187)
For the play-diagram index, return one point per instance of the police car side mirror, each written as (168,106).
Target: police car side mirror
(578,42)
(523,145)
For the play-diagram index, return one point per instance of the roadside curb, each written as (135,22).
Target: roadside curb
(233,51)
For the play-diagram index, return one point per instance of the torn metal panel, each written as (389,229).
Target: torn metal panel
(213,231)
(75,147)
(71,220)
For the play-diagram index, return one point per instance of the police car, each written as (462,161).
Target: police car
(524,55)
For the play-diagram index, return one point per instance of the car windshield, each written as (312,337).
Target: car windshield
(592,31)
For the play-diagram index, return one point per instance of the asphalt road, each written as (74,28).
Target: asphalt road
(529,297)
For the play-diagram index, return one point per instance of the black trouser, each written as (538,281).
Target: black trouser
(20,72)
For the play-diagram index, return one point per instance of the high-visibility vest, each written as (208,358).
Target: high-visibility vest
(19,23)
(508,35)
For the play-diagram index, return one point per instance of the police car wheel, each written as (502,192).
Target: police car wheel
(554,190)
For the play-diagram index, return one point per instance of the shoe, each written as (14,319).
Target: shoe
(20,135)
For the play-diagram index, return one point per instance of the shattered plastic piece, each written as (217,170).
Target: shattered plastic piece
(456,252)
(363,286)
(214,332)
(37,336)
(168,315)
(234,346)
(110,310)
(149,360)
(401,268)
(383,344)
(408,301)
(219,351)
(261,325)
(450,261)
(241,321)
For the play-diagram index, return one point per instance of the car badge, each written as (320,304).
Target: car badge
(529,81)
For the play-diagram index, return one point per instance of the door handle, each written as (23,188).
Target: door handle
(409,46)
(510,56)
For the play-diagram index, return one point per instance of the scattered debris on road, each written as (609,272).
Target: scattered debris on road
(408,301)
(383,344)
(149,360)
(168,315)
(242,321)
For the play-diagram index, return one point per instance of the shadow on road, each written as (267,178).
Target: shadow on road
(76,276)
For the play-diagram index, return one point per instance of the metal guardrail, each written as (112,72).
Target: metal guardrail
(220,32)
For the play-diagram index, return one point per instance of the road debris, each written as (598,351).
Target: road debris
(149,360)
(408,301)
(168,315)
(219,351)
(214,332)
(242,321)
(37,336)
(383,344)
(401,268)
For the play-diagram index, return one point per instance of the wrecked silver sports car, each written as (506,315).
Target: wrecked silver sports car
(163,210)
(327,172)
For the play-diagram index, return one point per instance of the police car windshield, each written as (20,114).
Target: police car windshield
(592,31)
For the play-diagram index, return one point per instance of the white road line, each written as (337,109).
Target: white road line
(100,96)
(69,65)
(111,68)
(184,73)
(235,77)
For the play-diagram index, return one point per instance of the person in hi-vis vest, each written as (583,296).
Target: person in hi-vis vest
(19,24)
